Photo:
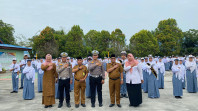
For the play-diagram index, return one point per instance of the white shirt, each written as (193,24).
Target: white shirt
(16,67)
(30,72)
(24,61)
(40,71)
(135,76)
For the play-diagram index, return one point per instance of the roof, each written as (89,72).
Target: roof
(13,47)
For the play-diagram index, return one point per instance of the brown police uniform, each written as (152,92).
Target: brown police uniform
(80,86)
(114,82)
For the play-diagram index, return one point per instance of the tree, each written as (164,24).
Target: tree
(169,37)
(118,41)
(143,43)
(6,33)
(190,42)
(45,43)
(74,45)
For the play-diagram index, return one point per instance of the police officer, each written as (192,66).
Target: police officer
(97,77)
(65,79)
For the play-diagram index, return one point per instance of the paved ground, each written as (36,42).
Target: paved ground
(166,102)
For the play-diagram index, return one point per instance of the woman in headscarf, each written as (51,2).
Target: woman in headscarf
(153,87)
(177,79)
(134,78)
(49,76)
(29,77)
(191,75)
(161,73)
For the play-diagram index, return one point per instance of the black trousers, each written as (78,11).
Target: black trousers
(64,84)
(95,83)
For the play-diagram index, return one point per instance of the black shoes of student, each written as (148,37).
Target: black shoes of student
(50,106)
(68,105)
(111,105)
(178,97)
(92,105)
(46,106)
(21,88)
(83,105)
(60,105)
(122,95)
(14,92)
(119,105)
(125,95)
(100,104)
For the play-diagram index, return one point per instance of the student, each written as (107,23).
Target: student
(161,73)
(80,74)
(177,79)
(15,68)
(153,88)
(183,68)
(29,77)
(40,76)
(191,75)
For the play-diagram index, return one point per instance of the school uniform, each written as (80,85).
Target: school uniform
(29,77)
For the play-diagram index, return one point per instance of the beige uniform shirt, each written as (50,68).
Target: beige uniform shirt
(96,70)
(64,72)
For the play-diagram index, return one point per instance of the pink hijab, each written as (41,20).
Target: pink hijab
(48,62)
(131,61)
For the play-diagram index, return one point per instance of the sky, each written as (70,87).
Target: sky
(29,17)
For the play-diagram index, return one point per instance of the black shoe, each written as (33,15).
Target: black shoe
(119,105)
(176,97)
(121,96)
(21,88)
(111,105)
(60,105)
(126,96)
(92,105)
(12,92)
(50,106)
(46,106)
(76,105)
(15,91)
(83,105)
(68,105)
(179,97)
(100,104)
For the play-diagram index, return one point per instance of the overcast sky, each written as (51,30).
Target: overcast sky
(28,17)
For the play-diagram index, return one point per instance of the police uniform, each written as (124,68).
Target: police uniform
(65,75)
(79,87)
(97,74)
(114,82)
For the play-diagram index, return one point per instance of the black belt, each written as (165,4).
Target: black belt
(115,78)
(77,80)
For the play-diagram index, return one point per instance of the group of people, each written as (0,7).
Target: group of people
(128,76)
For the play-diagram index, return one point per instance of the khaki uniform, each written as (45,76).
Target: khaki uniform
(114,82)
(80,86)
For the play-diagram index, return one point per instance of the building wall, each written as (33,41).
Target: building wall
(6,57)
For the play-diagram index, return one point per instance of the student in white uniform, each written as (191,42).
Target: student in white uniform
(22,66)
(15,68)
(29,77)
